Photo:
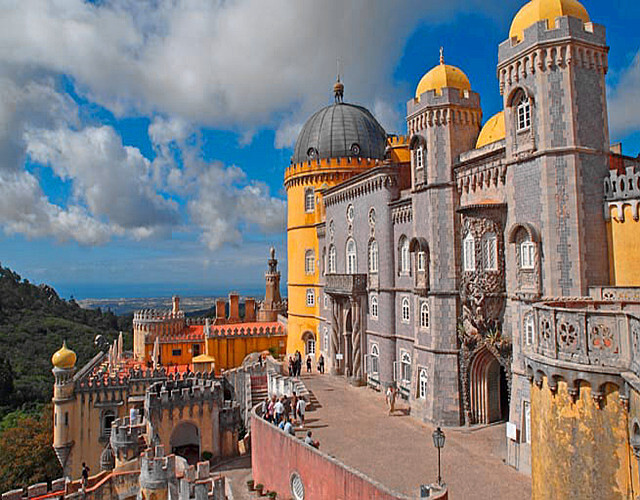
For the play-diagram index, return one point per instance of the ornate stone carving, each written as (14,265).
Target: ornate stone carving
(570,337)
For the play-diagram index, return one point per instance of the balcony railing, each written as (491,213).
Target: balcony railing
(346,284)
(616,293)
(598,334)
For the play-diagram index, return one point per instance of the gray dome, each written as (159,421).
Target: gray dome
(339,131)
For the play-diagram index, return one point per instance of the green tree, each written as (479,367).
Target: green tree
(26,454)
(6,382)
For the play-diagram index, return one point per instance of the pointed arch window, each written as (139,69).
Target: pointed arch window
(469,253)
(422,384)
(352,263)
(375,355)
(406,310)
(490,251)
(424,315)
(405,362)
(405,256)
(373,307)
(523,110)
(373,256)
(332,260)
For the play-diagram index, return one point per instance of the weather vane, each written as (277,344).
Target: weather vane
(441,55)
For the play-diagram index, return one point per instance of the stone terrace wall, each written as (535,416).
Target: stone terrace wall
(275,456)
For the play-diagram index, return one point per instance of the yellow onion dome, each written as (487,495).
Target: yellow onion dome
(549,10)
(493,131)
(443,76)
(64,357)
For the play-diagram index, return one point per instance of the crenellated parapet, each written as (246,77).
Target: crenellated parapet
(184,393)
(544,47)
(156,469)
(447,106)
(332,170)
(622,189)
(127,437)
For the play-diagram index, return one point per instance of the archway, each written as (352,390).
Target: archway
(348,347)
(185,441)
(309,340)
(488,388)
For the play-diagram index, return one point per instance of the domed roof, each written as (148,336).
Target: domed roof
(539,10)
(443,76)
(493,131)
(340,131)
(64,357)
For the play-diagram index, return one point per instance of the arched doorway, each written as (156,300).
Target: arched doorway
(348,347)
(309,340)
(185,441)
(488,387)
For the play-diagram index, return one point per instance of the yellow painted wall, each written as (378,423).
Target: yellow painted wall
(624,242)
(228,352)
(579,450)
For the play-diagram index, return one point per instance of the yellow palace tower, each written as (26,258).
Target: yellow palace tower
(336,143)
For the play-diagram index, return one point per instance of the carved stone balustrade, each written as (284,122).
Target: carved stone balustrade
(346,284)
(584,340)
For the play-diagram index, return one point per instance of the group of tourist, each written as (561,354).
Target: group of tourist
(280,410)
(285,412)
(295,364)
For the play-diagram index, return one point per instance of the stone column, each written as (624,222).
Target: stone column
(334,367)
(356,339)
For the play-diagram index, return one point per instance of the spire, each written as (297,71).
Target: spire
(441,55)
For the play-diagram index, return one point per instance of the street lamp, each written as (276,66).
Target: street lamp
(438,442)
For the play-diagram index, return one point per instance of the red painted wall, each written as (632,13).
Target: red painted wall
(276,455)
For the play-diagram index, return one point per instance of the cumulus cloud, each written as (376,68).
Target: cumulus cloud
(624,101)
(215,63)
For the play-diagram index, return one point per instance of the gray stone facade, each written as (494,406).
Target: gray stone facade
(527,208)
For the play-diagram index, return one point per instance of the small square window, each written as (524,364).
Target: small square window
(176,352)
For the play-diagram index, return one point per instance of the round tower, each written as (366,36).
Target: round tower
(336,143)
(64,368)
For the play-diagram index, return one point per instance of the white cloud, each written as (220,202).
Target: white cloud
(229,64)
(113,180)
(624,101)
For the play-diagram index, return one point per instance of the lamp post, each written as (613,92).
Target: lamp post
(438,442)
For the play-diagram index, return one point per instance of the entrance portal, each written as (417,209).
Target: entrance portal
(185,441)
(489,392)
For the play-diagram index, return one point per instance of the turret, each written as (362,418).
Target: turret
(64,368)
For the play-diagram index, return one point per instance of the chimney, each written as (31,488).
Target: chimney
(250,310)
(234,308)
(176,304)
(221,313)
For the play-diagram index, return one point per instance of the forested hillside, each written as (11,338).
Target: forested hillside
(33,323)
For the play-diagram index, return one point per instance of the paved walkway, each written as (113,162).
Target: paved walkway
(352,424)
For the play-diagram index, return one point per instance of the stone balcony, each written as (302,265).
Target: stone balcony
(593,341)
(346,284)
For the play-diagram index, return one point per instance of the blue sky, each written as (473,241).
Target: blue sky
(142,144)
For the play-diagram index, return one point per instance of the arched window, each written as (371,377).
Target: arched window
(325,339)
(331,267)
(351,257)
(405,256)
(490,251)
(373,306)
(419,157)
(422,261)
(527,254)
(422,384)
(311,297)
(424,315)
(373,256)
(309,340)
(529,329)
(375,355)
(406,311)
(309,200)
(469,253)
(523,110)
(309,262)
(405,362)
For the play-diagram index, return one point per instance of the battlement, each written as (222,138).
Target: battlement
(622,188)
(156,469)
(183,393)
(99,382)
(446,97)
(156,315)
(398,140)
(126,437)
(541,33)
(313,166)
